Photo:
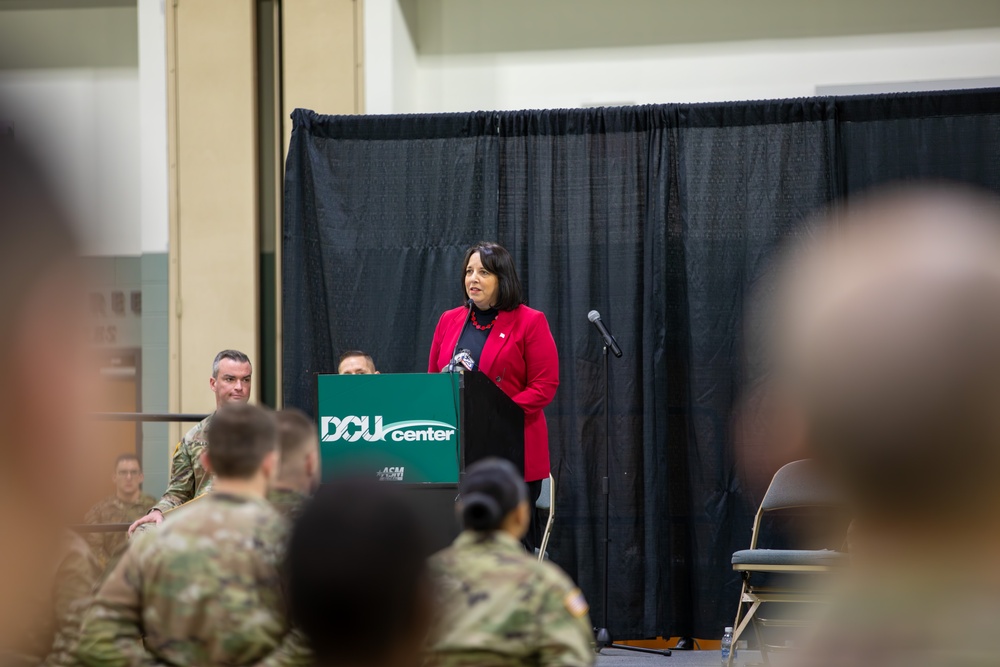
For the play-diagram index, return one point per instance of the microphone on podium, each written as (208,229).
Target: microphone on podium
(451,367)
(609,340)
(462,359)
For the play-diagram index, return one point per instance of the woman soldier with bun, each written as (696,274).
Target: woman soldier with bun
(496,605)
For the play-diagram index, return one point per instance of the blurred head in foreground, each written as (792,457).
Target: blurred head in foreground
(299,445)
(43,376)
(891,344)
(888,342)
(356,569)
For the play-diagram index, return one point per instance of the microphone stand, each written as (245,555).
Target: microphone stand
(602,636)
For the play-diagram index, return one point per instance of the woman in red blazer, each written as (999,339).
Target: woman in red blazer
(509,342)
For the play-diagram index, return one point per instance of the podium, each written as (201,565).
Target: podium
(420,430)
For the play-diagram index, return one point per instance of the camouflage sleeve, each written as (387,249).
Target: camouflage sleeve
(181,487)
(566,635)
(292,652)
(112,627)
(96,540)
(72,594)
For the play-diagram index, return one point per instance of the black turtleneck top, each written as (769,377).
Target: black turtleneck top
(474,337)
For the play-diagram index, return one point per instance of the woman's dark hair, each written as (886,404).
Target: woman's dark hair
(490,490)
(497,261)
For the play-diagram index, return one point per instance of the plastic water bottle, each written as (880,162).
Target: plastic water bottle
(727,646)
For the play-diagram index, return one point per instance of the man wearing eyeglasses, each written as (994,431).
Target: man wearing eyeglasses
(127,504)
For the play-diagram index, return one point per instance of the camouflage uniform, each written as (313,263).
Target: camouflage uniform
(499,607)
(289,503)
(188,479)
(204,589)
(114,510)
(51,629)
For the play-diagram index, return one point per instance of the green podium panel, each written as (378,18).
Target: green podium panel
(402,428)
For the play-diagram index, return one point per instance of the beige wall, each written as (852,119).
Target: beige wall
(321,57)
(211,98)
(321,69)
(214,166)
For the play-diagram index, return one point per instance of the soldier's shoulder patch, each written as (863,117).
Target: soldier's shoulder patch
(575,603)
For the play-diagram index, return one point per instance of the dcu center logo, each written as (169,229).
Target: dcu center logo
(371,429)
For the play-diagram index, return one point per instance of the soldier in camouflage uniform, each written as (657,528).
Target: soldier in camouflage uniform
(126,505)
(230,382)
(205,588)
(496,605)
(299,470)
(51,629)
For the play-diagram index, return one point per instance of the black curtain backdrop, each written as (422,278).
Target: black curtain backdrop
(663,218)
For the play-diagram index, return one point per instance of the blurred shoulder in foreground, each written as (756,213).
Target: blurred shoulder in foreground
(888,331)
(44,386)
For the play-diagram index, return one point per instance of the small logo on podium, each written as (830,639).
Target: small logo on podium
(391,474)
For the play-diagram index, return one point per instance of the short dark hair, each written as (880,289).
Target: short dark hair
(295,431)
(355,571)
(234,355)
(355,353)
(497,261)
(128,457)
(240,435)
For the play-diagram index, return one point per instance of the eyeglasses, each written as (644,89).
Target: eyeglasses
(128,473)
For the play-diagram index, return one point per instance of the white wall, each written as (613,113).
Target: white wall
(699,72)
(463,55)
(152,92)
(69,82)
(83,123)
(391,72)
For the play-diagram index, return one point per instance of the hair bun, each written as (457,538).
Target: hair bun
(490,490)
(481,512)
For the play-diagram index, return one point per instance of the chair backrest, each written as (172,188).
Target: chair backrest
(800,484)
(544,501)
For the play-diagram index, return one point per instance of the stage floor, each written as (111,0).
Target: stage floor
(618,658)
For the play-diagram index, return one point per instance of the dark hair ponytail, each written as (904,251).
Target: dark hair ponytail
(490,490)
(481,512)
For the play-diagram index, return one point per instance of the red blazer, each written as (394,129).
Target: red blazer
(520,357)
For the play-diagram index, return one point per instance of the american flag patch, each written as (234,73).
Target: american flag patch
(576,604)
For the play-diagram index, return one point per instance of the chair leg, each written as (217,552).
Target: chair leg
(545,537)
(760,643)
(737,627)
(548,523)
(740,625)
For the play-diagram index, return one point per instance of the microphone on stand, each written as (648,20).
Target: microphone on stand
(609,340)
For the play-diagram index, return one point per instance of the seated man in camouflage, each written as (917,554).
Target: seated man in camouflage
(127,504)
(299,469)
(497,606)
(205,589)
(230,382)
